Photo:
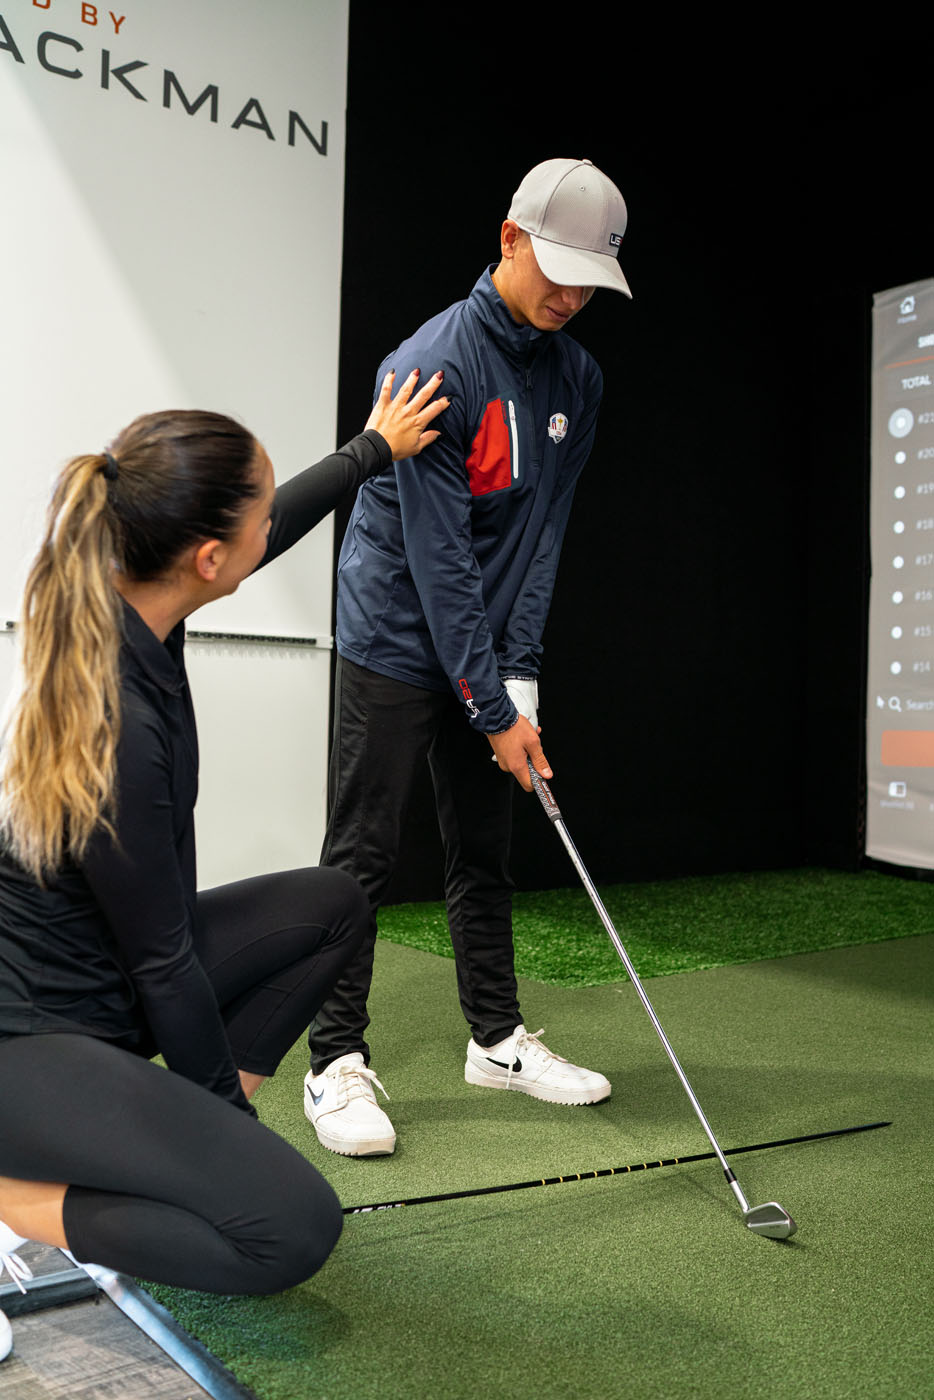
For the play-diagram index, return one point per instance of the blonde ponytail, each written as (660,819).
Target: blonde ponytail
(59,755)
(170,480)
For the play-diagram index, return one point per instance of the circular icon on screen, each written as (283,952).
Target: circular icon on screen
(901,422)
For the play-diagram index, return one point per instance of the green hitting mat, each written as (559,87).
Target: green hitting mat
(679,925)
(637,1284)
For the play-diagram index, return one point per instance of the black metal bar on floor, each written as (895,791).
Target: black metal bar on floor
(160,1326)
(608,1171)
(47,1291)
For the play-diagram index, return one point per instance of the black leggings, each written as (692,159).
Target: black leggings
(165,1180)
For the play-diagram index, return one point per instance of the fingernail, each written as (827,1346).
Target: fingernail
(440,373)
(416,371)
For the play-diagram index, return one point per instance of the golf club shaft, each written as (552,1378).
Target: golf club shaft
(544,794)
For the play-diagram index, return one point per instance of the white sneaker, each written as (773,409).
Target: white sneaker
(522,1062)
(6,1336)
(10,1260)
(342,1108)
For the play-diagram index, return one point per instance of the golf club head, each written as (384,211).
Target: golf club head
(770,1220)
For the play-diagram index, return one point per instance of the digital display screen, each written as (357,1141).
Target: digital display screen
(900,699)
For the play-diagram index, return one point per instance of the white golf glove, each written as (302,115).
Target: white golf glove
(523,692)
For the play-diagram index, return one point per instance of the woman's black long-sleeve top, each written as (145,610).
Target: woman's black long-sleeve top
(106,949)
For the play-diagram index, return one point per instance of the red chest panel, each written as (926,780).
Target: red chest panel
(489,465)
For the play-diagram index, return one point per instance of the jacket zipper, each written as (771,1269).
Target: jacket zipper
(513,428)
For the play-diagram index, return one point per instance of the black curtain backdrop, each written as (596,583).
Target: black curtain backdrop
(702,692)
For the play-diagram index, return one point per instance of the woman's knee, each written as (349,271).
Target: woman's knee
(304,1227)
(336,900)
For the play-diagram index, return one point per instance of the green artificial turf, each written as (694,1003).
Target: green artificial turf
(644,1284)
(637,1285)
(680,925)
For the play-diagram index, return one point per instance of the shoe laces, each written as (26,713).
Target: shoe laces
(354,1081)
(16,1268)
(528,1041)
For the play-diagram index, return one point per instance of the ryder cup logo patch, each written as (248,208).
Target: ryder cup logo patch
(557,427)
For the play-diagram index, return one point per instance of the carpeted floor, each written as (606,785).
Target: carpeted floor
(646,1284)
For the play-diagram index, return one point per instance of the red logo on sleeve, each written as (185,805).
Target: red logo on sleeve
(468,698)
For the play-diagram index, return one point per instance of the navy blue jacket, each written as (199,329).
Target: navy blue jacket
(448,564)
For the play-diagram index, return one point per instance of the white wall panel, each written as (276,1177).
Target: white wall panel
(154,257)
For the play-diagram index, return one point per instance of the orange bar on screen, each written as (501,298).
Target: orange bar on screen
(908,748)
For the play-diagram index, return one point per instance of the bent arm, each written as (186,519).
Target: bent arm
(138,884)
(435,504)
(303,502)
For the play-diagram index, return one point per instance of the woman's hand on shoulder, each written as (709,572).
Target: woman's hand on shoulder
(403,421)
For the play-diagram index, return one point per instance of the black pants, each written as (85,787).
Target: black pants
(165,1180)
(383,731)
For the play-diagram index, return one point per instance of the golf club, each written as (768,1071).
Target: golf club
(769,1219)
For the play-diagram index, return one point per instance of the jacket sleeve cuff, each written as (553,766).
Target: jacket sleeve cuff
(503,727)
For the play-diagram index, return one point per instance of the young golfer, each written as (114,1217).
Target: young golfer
(107,953)
(445,581)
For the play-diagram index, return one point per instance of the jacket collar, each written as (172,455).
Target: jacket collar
(162,662)
(521,343)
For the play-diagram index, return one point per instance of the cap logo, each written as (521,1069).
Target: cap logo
(557,427)
(616,240)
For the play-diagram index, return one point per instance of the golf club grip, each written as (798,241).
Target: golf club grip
(543,793)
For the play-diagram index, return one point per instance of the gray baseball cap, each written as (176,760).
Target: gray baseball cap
(576,218)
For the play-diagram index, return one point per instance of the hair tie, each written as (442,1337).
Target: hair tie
(110,467)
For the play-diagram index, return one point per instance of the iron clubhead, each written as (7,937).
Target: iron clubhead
(770,1220)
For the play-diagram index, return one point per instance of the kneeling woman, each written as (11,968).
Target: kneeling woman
(107,954)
